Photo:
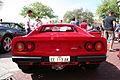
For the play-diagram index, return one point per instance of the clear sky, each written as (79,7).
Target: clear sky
(11,8)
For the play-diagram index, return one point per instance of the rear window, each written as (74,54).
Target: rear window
(58,29)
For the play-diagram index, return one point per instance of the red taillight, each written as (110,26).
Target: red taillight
(89,46)
(98,46)
(30,46)
(24,46)
(20,46)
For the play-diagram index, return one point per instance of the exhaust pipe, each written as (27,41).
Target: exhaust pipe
(58,67)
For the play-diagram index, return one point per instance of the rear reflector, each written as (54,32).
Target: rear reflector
(30,46)
(25,46)
(88,46)
(98,46)
(20,46)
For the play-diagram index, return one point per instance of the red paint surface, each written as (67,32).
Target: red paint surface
(83,25)
(68,43)
(119,54)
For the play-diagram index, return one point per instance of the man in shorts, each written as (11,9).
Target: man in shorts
(28,22)
(109,25)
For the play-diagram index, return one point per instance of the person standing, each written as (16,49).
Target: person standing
(109,25)
(117,27)
(38,22)
(61,21)
(50,22)
(117,30)
(28,22)
(1,20)
(84,24)
(73,22)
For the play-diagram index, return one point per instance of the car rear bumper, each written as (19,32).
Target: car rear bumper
(74,60)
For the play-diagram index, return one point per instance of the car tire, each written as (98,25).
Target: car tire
(6,44)
(91,66)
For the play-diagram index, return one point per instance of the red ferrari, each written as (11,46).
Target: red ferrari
(57,46)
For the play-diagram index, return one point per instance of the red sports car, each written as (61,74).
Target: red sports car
(57,46)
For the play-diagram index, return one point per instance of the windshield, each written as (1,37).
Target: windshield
(58,29)
(5,25)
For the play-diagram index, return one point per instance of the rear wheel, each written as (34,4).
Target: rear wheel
(6,44)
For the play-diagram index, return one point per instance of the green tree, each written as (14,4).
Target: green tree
(79,15)
(39,10)
(106,7)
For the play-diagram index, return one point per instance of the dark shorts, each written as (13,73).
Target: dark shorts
(28,31)
(109,28)
(109,34)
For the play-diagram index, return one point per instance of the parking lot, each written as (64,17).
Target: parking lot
(109,70)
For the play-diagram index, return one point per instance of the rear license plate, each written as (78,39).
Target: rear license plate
(59,58)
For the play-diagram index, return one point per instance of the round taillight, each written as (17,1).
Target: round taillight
(98,46)
(30,46)
(89,46)
(20,46)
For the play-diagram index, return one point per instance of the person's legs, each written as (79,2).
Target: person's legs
(112,40)
(106,34)
(102,33)
(111,44)
(28,31)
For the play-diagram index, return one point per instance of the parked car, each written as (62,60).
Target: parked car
(57,46)
(8,31)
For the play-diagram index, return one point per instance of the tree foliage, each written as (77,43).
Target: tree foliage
(79,15)
(39,10)
(106,7)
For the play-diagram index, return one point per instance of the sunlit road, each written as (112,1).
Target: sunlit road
(109,70)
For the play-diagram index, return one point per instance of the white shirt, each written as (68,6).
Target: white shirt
(27,20)
(37,24)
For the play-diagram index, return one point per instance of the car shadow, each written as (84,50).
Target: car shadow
(106,71)
(117,49)
(6,55)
